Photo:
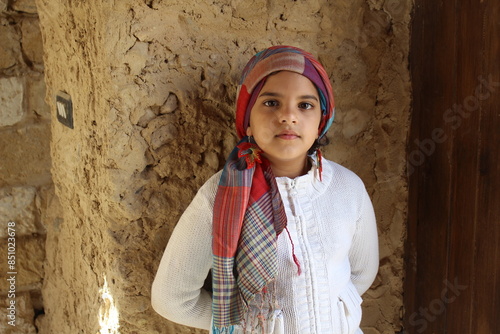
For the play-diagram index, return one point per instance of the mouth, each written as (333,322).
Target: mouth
(287,135)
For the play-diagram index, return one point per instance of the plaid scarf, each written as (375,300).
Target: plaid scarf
(248,211)
(250,207)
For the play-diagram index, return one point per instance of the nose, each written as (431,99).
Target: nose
(287,114)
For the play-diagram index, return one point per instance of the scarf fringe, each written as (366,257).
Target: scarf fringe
(263,316)
(267,322)
(223,330)
(272,324)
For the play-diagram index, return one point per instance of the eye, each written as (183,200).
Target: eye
(305,105)
(271,103)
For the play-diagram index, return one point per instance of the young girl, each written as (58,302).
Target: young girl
(290,237)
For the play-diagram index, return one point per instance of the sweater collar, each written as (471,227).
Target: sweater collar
(309,183)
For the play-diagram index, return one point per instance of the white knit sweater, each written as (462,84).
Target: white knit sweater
(332,225)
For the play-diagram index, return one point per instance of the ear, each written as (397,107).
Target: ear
(249,132)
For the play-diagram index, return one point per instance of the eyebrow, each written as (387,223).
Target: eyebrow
(302,97)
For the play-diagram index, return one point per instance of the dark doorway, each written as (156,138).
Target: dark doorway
(452,280)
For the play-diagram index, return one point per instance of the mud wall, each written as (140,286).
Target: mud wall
(27,200)
(153,85)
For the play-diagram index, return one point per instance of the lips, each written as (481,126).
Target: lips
(288,135)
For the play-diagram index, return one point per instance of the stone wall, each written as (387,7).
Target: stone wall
(27,200)
(153,85)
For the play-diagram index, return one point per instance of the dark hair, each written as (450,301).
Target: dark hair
(318,143)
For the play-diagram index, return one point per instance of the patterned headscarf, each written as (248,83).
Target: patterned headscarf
(282,58)
(248,211)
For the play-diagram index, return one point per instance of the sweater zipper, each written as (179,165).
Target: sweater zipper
(293,189)
(301,262)
(293,192)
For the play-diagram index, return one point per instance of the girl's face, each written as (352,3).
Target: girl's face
(284,120)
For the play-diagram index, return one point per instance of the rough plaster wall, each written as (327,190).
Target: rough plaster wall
(26,191)
(377,151)
(153,86)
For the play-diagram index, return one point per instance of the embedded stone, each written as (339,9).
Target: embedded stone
(137,57)
(28,266)
(170,104)
(32,41)
(35,98)
(355,121)
(10,50)
(163,135)
(11,101)
(17,206)
(27,6)
(160,131)
(22,314)
(25,155)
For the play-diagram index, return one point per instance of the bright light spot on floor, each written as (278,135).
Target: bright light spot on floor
(108,313)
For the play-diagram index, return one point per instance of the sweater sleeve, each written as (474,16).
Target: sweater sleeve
(177,292)
(363,254)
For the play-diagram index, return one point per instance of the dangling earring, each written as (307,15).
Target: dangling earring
(319,163)
(248,154)
(251,140)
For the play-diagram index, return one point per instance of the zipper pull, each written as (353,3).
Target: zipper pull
(293,191)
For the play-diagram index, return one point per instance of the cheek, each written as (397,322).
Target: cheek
(261,133)
(319,124)
(260,129)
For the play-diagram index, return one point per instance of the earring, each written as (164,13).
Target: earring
(251,140)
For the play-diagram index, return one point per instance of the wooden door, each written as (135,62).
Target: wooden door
(452,280)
